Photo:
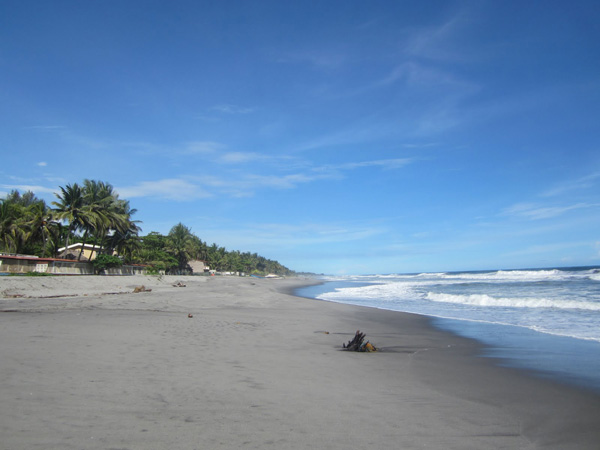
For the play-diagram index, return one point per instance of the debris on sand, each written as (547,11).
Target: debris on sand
(141,288)
(357,344)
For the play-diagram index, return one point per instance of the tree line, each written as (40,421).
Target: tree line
(92,213)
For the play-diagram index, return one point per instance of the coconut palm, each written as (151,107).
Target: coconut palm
(71,209)
(104,211)
(17,227)
(180,244)
(41,227)
(9,229)
(124,238)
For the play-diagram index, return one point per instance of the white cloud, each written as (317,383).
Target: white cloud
(240,157)
(170,189)
(396,163)
(323,59)
(419,75)
(547,248)
(278,235)
(187,188)
(42,164)
(29,187)
(419,146)
(202,147)
(439,42)
(582,183)
(279,182)
(227,108)
(216,152)
(46,127)
(536,212)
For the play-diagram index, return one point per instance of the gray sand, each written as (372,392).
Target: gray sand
(104,368)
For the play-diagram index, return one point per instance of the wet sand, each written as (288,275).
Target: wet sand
(85,363)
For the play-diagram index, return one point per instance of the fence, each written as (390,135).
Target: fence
(26,264)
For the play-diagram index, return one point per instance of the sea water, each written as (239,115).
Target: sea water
(545,320)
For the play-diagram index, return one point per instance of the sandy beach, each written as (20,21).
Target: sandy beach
(230,363)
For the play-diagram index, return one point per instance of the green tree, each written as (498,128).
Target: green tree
(10,232)
(25,224)
(180,243)
(152,251)
(103,262)
(41,229)
(96,210)
(70,208)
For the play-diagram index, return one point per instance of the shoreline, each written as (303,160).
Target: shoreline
(255,367)
(564,359)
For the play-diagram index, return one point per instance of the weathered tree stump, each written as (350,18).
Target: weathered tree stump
(357,344)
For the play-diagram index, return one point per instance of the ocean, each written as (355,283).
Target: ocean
(543,320)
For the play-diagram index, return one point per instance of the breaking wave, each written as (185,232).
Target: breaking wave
(485,300)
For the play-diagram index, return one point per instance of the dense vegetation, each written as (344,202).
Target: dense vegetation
(93,213)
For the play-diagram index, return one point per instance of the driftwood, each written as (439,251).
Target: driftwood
(141,288)
(357,344)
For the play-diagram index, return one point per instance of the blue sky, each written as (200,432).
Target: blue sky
(345,137)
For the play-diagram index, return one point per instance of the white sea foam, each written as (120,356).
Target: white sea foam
(558,301)
(374,292)
(503,275)
(525,302)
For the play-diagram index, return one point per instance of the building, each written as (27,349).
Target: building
(25,264)
(21,264)
(72,251)
(198,266)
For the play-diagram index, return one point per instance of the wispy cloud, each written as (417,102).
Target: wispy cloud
(202,147)
(533,211)
(419,74)
(395,163)
(318,233)
(418,146)
(586,182)
(227,108)
(279,181)
(46,127)
(279,235)
(240,157)
(217,152)
(548,248)
(70,136)
(188,188)
(176,189)
(322,59)
(438,42)
(37,189)
(354,134)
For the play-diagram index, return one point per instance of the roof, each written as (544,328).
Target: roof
(32,258)
(79,244)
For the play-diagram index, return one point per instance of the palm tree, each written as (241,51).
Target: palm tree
(95,209)
(200,249)
(9,229)
(180,243)
(41,227)
(16,213)
(105,211)
(71,208)
(124,238)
